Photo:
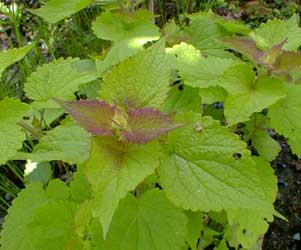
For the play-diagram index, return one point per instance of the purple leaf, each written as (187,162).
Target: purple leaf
(245,46)
(146,124)
(93,115)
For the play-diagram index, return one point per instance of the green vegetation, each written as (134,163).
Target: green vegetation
(137,131)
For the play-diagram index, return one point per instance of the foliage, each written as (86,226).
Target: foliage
(153,134)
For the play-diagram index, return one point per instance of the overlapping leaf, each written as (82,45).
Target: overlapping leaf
(146,124)
(261,93)
(140,81)
(56,10)
(275,31)
(150,223)
(59,79)
(285,117)
(11,112)
(114,169)
(93,115)
(67,143)
(209,168)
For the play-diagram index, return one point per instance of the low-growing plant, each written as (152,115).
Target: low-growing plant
(161,128)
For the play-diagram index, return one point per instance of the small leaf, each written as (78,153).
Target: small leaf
(93,115)
(9,57)
(265,145)
(56,10)
(146,124)
(70,144)
(150,223)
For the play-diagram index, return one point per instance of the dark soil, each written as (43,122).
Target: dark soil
(284,235)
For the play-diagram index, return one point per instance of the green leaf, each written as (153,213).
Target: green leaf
(59,79)
(14,234)
(136,27)
(261,93)
(275,31)
(70,144)
(151,222)
(42,173)
(212,94)
(56,10)
(11,56)
(143,84)
(53,226)
(208,168)
(79,187)
(207,40)
(247,225)
(194,227)
(114,169)
(265,145)
(286,116)
(11,112)
(196,70)
(182,99)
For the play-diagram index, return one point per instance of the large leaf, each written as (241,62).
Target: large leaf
(53,226)
(8,57)
(208,168)
(114,169)
(261,93)
(151,222)
(11,111)
(70,144)
(275,31)
(14,234)
(139,81)
(59,79)
(247,225)
(286,116)
(196,70)
(56,10)
(136,26)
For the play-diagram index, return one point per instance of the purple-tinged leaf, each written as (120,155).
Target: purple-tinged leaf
(93,115)
(271,55)
(287,61)
(245,46)
(146,124)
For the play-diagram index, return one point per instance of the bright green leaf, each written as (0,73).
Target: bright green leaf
(275,31)
(286,116)
(11,112)
(14,234)
(265,145)
(59,79)
(261,93)
(56,10)
(144,78)
(70,144)
(209,168)
(9,57)
(196,70)
(151,222)
(114,169)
